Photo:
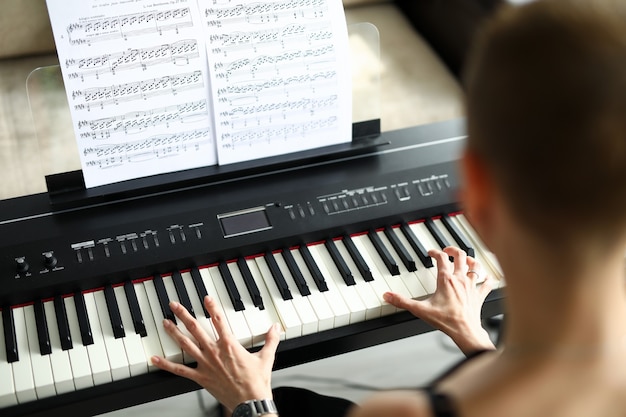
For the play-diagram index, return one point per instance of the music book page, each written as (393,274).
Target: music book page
(158,87)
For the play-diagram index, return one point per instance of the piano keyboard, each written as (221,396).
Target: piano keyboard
(66,343)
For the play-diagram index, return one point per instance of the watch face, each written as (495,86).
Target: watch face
(243,410)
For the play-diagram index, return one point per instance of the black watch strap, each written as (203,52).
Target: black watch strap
(255,408)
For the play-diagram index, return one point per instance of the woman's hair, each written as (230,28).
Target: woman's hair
(546,112)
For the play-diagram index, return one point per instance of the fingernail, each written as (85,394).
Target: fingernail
(388,296)
(276,327)
(174,305)
(155,360)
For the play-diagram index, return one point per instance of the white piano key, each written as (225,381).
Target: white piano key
(237,321)
(171,350)
(427,276)
(151,342)
(287,312)
(259,321)
(198,306)
(79,358)
(116,352)
(42,368)
(322,258)
(371,291)
(410,280)
(98,360)
(22,369)
(7,388)
(137,359)
(327,318)
(59,358)
(303,307)
(168,283)
(378,268)
(273,313)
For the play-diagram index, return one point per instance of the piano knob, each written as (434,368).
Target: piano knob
(21,264)
(49,260)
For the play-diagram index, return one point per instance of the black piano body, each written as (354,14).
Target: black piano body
(412,176)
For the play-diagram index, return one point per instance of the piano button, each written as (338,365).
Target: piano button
(378,267)
(313,269)
(42,368)
(418,247)
(98,360)
(270,310)
(114,346)
(410,280)
(135,310)
(259,321)
(319,301)
(151,342)
(301,303)
(231,288)
(183,296)
(137,359)
(63,326)
(59,358)
(400,250)
(164,300)
(371,291)
(296,274)
(457,235)
(43,333)
(286,311)
(250,284)
(360,264)
(383,253)
(172,295)
(79,358)
(437,234)
(371,302)
(426,276)
(83,319)
(22,369)
(281,284)
(10,339)
(200,289)
(327,267)
(114,312)
(340,264)
(198,303)
(7,388)
(236,319)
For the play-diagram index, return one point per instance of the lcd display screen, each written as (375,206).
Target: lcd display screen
(243,222)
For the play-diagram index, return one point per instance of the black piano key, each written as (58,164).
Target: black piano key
(253,289)
(402,252)
(438,236)
(313,269)
(233,292)
(83,319)
(360,263)
(10,340)
(42,328)
(200,288)
(183,296)
(135,309)
(114,312)
(341,265)
(417,246)
(62,323)
(458,236)
(383,252)
(296,273)
(164,299)
(278,276)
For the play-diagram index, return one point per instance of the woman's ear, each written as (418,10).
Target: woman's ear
(477,194)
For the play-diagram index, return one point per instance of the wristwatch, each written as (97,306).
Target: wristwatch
(255,408)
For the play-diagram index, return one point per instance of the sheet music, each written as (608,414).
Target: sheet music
(280,76)
(156,87)
(136,78)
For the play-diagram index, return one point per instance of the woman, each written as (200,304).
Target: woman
(545,187)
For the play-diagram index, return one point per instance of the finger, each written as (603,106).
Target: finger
(487,286)
(460,259)
(475,269)
(405,303)
(272,338)
(217,317)
(191,324)
(175,368)
(185,343)
(443,264)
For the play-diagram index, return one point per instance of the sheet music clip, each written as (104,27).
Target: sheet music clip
(62,168)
